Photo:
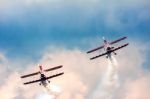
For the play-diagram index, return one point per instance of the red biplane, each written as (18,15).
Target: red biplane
(108,49)
(43,79)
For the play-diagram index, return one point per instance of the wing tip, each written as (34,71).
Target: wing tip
(94,57)
(127,44)
(21,77)
(91,58)
(59,74)
(88,52)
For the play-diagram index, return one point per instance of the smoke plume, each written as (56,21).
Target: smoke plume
(109,81)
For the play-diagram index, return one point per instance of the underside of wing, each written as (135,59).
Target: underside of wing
(34,81)
(120,47)
(98,56)
(55,75)
(28,75)
(110,51)
(54,68)
(95,49)
(113,42)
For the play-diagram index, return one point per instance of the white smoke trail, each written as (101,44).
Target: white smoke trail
(53,90)
(109,81)
(111,76)
(44,96)
(50,92)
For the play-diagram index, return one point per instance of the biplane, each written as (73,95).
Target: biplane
(43,79)
(108,48)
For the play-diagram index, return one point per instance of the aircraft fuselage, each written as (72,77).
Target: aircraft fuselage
(108,49)
(44,81)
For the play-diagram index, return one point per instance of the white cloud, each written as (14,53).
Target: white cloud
(138,89)
(9,89)
(89,9)
(82,76)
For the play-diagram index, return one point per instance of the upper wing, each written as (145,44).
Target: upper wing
(98,56)
(28,75)
(95,49)
(120,47)
(32,74)
(34,81)
(113,42)
(50,69)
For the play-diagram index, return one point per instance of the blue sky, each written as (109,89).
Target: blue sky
(54,32)
(27,28)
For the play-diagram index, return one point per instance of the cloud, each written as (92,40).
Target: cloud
(138,89)
(9,90)
(87,10)
(82,76)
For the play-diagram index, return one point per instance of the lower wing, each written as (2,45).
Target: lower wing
(98,56)
(34,81)
(120,47)
(110,51)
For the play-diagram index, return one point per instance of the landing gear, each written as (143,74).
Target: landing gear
(40,84)
(48,81)
(115,53)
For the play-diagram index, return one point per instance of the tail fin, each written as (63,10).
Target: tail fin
(41,68)
(105,41)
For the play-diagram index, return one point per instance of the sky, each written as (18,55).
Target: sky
(54,32)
